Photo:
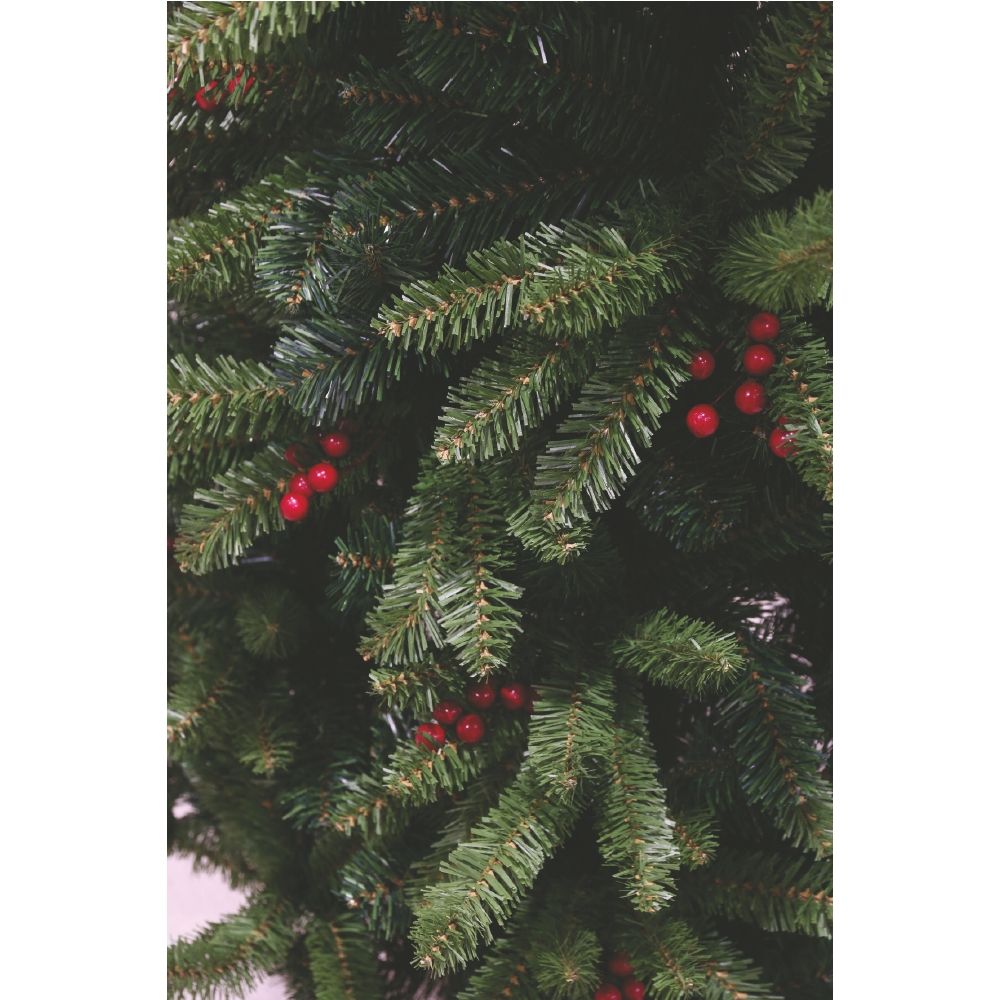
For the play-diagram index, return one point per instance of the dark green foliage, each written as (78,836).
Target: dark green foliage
(768,139)
(671,649)
(594,452)
(230,956)
(226,402)
(779,892)
(774,737)
(484,878)
(340,959)
(634,831)
(782,261)
(484,241)
(271,624)
(363,563)
(801,391)
(571,726)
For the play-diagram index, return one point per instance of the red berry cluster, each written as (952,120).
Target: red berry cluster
(631,989)
(750,396)
(469,726)
(320,478)
(204,99)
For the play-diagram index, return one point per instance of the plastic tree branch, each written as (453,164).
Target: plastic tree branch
(782,261)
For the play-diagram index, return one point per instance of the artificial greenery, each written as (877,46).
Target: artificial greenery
(484,240)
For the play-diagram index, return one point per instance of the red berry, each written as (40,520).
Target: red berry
(763,326)
(608,992)
(758,359)
(702,365)
(294,506)
(430,736)
(632,989)
(703,420)
(620,964)
(782,442)
(446,712)
(295,454)
(203,100)
(300,484)
(514,696)
(470,728)
(750,397)
(335,445)
(323,477)
(482,695)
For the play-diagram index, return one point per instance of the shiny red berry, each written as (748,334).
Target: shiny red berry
(620,964)
(758,359)
(515,696)
(470,728)
(782,442)
(300,484)
(323,477)
(335,445)
(750,397)
(430,736)
(608,992)
(482,695)
(203,100)
(763,326)
(294,506)
(446,712)
(702,365)
(295,454)
(632,989)
(703,420)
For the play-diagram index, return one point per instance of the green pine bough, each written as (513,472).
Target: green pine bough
(482,242)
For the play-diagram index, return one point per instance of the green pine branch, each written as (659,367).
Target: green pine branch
(485,878)
(800,390)
(342,959)
(634,832)
(201,36)
(775,736)
(418,776)
(509,394)
(271,623)
(768,139)
(363,563)
(675,963)
(333,366)
(405,625)
(226,403)
(595,451)
(696,836)
(778,892)
(230,956)
(782,261)
(480,613)
(668,648)
(559,280)
(570,728)
(216,250)
(204,685)
(412,688)
(223,521)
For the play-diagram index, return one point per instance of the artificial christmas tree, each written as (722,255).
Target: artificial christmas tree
(534,679)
